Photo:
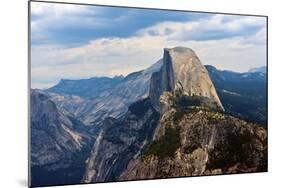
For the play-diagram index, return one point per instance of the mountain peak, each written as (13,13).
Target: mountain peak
(258,69)
(182,70)
(179,49)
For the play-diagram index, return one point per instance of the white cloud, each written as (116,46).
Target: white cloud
(115,56)
(101,57)
(218,26)
(109,57)
(56,9)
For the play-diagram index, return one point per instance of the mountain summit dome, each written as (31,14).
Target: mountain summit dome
(182,70)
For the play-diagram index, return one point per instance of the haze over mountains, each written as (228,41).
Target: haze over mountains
(175,118)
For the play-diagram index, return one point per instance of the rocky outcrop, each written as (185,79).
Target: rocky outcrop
(119,141)
(183,71)
(194,137)
(48,122)
(58,142)
(198,141)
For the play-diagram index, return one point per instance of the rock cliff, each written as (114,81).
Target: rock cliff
(179,130)
(119,141)
(182,71)
(59,143)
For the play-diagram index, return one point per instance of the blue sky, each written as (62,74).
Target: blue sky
(76,41)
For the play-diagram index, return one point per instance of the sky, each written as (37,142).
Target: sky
(77,41)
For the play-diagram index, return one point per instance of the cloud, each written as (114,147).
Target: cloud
(225,41)
(74,25)
(51,22)
(211,28)
(115,56)
(101,57)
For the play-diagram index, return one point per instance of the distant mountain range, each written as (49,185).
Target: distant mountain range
(175,118)
(90,88)
(243,95)
(262,69)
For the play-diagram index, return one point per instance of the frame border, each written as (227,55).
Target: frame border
(132,7)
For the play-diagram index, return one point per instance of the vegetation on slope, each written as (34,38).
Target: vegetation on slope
(166,145)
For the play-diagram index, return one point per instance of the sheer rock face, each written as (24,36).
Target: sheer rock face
(183,71)
(204,143)
(63,135)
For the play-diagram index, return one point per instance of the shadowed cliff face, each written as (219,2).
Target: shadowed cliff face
(59,143)
(182,71)
(119,141)
(50,123)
